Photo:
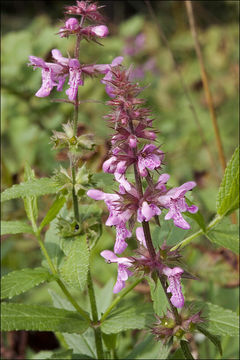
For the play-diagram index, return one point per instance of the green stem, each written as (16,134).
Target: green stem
(186,241)
(97,330)
(72,300)
(59,281)
(119,298)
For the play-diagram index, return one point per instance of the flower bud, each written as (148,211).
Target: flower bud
(100,31)
(72,24)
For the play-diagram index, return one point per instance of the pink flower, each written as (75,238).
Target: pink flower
(108,77)
(72,24)
(150,157)
(100,31)
(140,236)
(174,201)
(174,276)
(75,78)
(121,234)
(52,75)
(147,211)
(123,264)
(86,9)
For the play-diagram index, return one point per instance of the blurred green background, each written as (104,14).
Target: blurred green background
(30,27)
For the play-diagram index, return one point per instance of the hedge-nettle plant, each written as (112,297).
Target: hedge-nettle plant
(134,209)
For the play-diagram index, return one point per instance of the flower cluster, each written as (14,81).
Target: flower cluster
(55,73)
(130,204)
(166,328)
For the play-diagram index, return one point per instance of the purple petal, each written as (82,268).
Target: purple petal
(109,256)
(47,84)
(36,61)
(72,24)
(121,234)
(174,278)
(140,236)
(96,194)
(118,286)
(57,55)
(117,61)
(101,31)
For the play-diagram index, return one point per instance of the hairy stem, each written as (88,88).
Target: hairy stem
(119,298)
(97,331)
(59,281)
(146,228)
(186,241)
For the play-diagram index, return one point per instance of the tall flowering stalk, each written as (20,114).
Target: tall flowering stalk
(133,145)
(89,25)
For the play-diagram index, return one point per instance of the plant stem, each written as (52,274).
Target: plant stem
(145,225)
(97,331)
(186,241)
(205,83)
(59,281)
(119,298)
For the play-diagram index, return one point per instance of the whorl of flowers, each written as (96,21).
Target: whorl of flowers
(132,123)
(55,73)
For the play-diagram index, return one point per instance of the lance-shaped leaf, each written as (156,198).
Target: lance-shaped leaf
(17,282)
(128,316)
(185,349)
(160,303)
(41,318)
(37,187)
(225,234)
(15,227)
(80,343)
(218,321)
(30,202)
(213,338)
(53,211)
(228,194)
(75,266)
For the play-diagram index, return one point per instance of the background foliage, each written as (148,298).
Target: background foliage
(29,28)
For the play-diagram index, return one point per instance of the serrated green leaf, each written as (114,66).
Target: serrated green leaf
(177,355)
(225,234)
(51,242)
(169,233)
(37,187)
(53,211)
(62,354)
(185,349)
(75,266)
(213,338)
(228,194)
(42,355)
(124,317)
(15,227)
(160,302)
(149,349)
(41,318)
(218,321)
(17,282)
(84,343)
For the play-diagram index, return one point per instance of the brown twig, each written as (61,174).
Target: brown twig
(205,81)
(184,87)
